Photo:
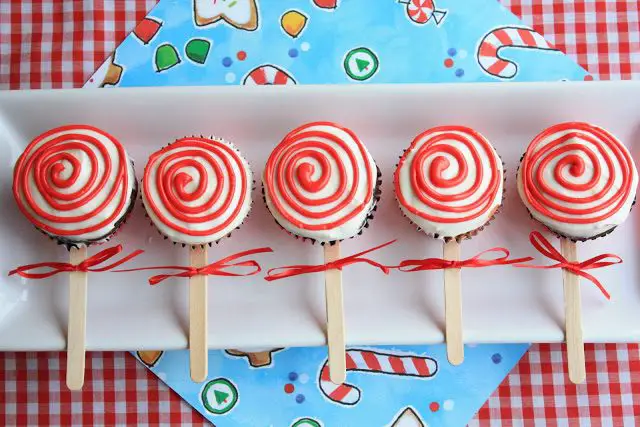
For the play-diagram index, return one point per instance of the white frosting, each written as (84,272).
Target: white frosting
(359,205)
(590,229)
(111,146)
(429,217)
(215,226)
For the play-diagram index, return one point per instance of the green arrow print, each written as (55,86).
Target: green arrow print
(361,64)
(306,422)
(219,396)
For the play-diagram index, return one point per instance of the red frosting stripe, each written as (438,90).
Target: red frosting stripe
(604,154)
(44,164)
(289,176)
(430,185)
(171,169)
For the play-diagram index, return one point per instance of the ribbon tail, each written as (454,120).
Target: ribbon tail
(288,272)
(118,263)
(593,280)
(163,267)
(540,267)
(154,280)
(27,275)
(385,269)
(233,257)
(55,268)
(517,261)
(359,254)
(427,264)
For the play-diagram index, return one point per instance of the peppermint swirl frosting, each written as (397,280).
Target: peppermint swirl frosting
(75,183)
(449,181)
(319,182)
(197,190)
(577,179)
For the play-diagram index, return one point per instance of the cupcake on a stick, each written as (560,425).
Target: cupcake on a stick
(449,183)
(197,191)
(321,184)
(77,185)
(580,182)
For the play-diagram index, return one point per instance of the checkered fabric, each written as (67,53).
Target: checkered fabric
(59,43)
(538,391)
(602,36)
(117,391)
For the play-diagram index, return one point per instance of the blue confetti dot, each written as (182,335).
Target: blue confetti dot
(496,358)
(300,398)
(226,61)
(293,53)
(293,376)
(452,51)
(459,72)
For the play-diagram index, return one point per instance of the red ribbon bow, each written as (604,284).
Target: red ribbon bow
(546,248)
(475,262)
(86,265)
(296,270)
(214,269)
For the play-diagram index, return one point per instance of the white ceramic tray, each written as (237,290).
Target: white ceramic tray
(501,304)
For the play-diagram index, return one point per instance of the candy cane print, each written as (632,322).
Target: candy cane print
(489,56)
(374,362)
(266,75)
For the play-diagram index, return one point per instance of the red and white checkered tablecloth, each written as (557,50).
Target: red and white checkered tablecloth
(54,44)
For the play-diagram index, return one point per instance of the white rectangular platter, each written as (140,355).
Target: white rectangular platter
(501,304)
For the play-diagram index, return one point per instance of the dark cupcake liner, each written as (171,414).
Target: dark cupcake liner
(105,238)
(468,235)
(377,193)
(209,244)
(558,233)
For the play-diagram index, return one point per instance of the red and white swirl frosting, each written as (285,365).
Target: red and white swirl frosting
(449,181)
(74,182)
(319,182)
(197,190)
(577,179)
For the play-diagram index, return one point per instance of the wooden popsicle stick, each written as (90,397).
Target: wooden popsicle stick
(76,329)
(335,317)
(453,305)
(573,315)
(198,347)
